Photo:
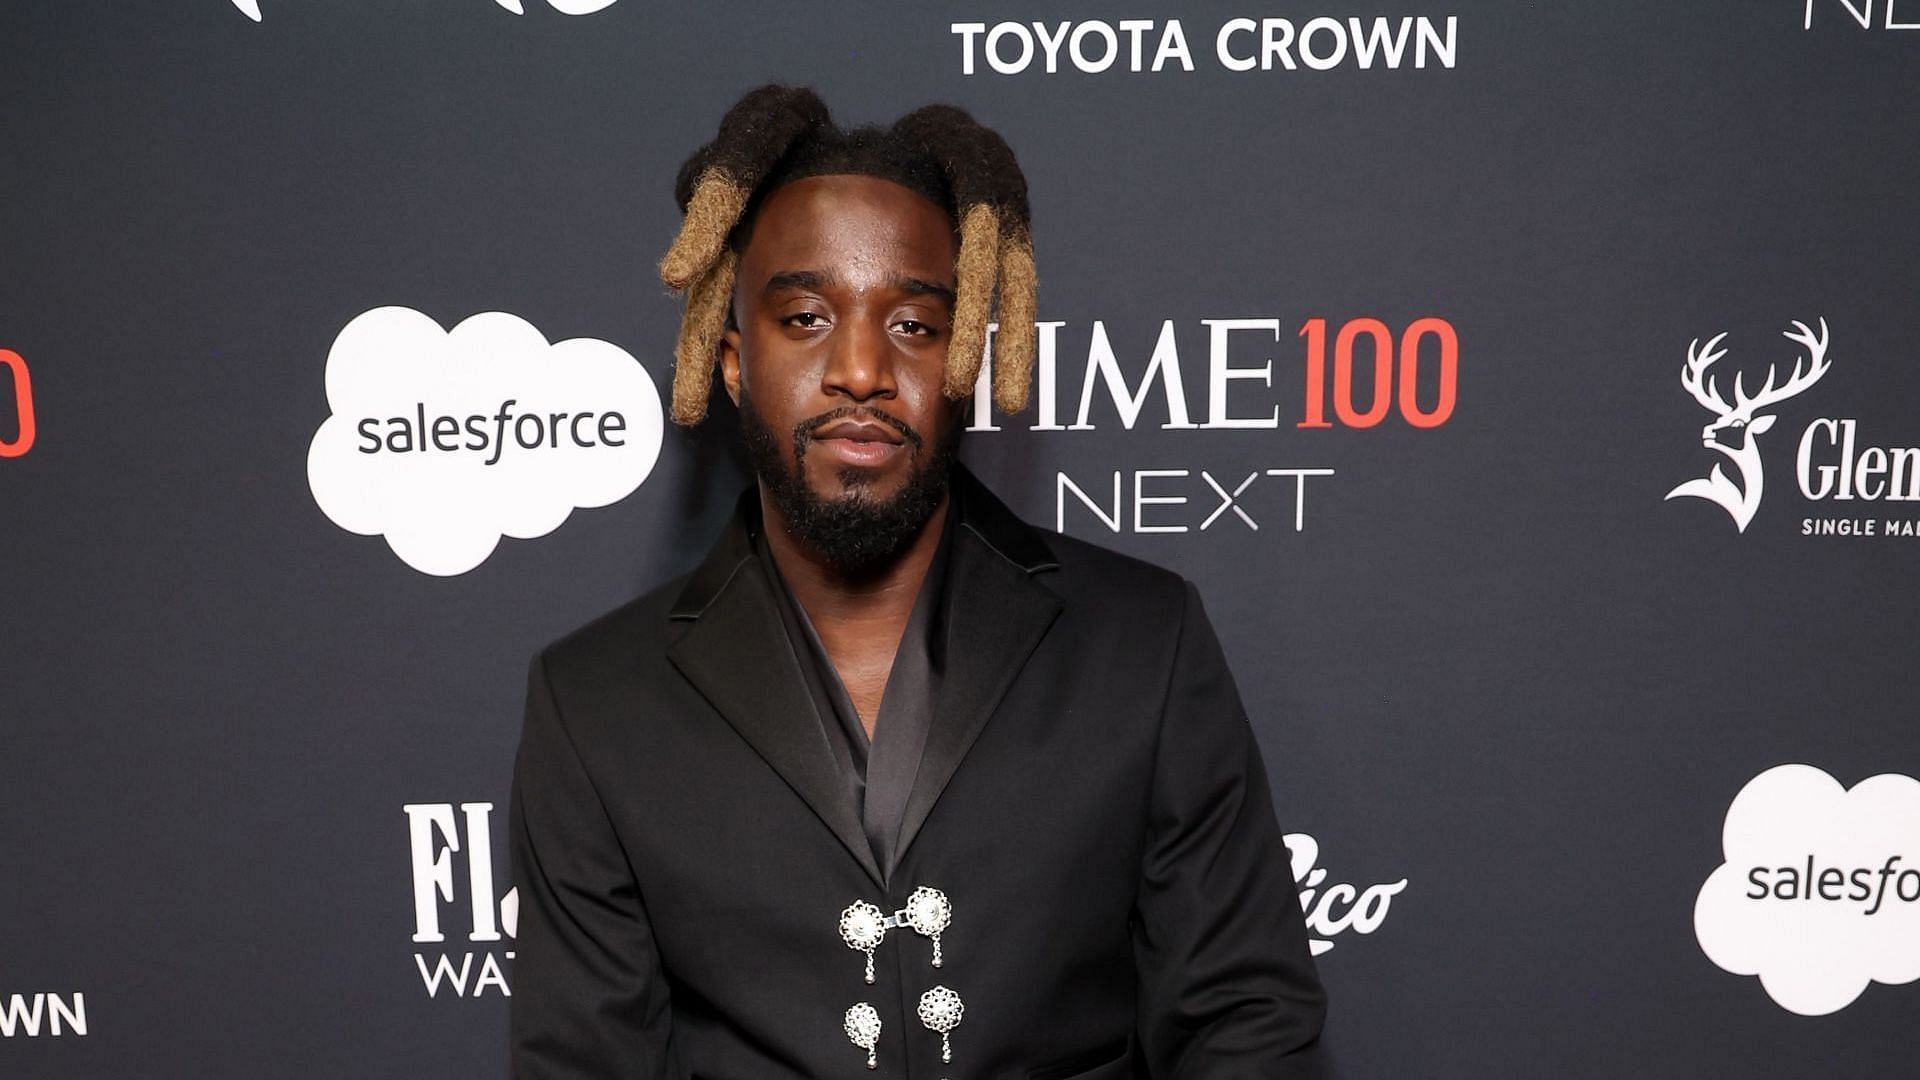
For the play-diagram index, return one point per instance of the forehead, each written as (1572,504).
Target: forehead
(857,225)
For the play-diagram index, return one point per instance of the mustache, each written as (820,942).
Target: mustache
(803,431)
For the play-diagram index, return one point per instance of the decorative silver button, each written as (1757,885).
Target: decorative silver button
(863,927)
(940,1010)
(929,912)
(863,1027)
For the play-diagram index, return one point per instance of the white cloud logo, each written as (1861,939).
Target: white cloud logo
(444,441)
(1820,891)
(564,7)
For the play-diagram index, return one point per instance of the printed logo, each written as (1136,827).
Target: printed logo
(1820,891)
(445,441)
(1354,375)
(251,8)
(22,1016)
(1737,424)
(1333,909)
(23,426)
(433,839)
(1319,44)
(1830,464)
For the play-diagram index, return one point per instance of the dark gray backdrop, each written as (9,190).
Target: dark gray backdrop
(1494,662)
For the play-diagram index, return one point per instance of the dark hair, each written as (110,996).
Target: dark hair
(866,151)
(778,134)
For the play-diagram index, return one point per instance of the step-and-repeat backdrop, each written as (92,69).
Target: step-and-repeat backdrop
(1532,391)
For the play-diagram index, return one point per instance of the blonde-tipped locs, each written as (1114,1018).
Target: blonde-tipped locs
(996,250)
(776,134)
(700,328)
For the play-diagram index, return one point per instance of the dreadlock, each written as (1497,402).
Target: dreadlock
(778,134)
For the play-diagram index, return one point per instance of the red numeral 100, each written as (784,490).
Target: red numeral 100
(23,404)
(1387,391)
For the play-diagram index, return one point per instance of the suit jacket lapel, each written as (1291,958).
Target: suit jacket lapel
(996,617)
(735,652)
(737,655)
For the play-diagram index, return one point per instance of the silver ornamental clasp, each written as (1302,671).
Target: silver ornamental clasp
(863,926)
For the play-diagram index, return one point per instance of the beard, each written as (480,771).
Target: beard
(857,529)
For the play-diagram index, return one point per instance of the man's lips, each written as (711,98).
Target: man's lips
(859,431)
(858,442)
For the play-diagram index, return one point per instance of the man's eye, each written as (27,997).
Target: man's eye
(810,315)
(915,326)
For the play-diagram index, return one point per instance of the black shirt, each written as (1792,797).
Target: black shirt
(878,774)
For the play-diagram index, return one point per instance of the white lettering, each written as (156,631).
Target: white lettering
(1133,28)
(15,1017)
(1223,47)
(983,383)
(1317,60)
(1051,45)
(1366,45)
(1220,372)
(1000,33)
(1445,49)
(1299,491)
(1872,474)
(1364,909)
(1873,462)
(1156,503)
(1804,459)
(1111,49)
(1173,45)
(1906,474)
(1275,36)
(74,1015)
(1227,500)
(1141,499)
(490,975)
(1165,363)
(1862,15)
(968,31)
(479,871)
(432,865)
(1063,482)
(442,968)
(20,1014)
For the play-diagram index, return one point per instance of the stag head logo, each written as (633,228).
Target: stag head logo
(1735,425)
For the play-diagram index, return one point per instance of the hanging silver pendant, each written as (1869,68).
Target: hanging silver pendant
(940,1010)
(929,912)
(863,1027)
(863,928)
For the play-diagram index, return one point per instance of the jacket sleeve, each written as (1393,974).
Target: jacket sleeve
(1228,988)
(589,995)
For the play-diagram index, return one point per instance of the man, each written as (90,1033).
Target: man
(892,780)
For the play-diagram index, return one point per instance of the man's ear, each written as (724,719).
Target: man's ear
(730,363)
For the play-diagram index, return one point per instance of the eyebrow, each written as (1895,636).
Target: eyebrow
(817,280)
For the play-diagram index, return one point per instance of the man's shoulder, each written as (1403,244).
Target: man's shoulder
(1102,582)
(1104,568)
(1079,571)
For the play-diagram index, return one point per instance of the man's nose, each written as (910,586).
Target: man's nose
(860,363)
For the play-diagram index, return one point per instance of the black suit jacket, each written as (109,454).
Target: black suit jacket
(1091,800)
